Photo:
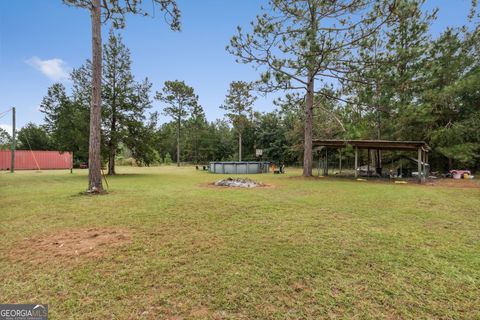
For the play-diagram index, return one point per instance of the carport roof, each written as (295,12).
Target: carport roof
(372,144)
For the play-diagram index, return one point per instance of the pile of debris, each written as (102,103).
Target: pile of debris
(239,183)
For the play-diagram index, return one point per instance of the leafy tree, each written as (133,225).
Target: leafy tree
(33,137)
(272,137)
(452,96)
(5,139)
(249,136)
(372,108)
(222,140)
(408,41)
(168,159)
(460,142)
(300,41)
(125,101)
(197,127)
(293,124)
(215,139)
(66,120)
(390,78)
(141,140)
(180,99)
(165,141)
(328,122)
(115,11)
(238,104)
(55,99)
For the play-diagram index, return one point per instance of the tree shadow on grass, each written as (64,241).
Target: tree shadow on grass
(117,176)
(106,180)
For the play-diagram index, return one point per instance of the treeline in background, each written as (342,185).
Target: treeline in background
(420,88)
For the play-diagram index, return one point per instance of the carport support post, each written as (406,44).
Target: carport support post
(419,169)
(326,162)
(368,163)
(424,166)
(340,160)
(426,163)
(356,162)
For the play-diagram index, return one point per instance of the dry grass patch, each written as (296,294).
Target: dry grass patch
(68,245)
(454,183)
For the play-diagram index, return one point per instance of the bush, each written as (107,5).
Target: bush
(167,159)
(126,162)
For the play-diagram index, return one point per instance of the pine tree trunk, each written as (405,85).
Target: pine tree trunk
(94,156)
(111,159)
(239,146)
(112,146)
(196,141)
(308,136)
(178,142)
(195,156)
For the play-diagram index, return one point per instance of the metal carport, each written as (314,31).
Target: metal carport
(421,147)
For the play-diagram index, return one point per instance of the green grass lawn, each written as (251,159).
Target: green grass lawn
(303,249)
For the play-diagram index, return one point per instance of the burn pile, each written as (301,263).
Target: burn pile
(238,183)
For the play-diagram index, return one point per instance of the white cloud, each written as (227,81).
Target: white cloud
(55,69)
(7,128)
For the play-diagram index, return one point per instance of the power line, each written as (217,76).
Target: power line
(4,113)
(30,147)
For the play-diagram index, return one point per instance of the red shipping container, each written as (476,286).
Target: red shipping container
(36,160)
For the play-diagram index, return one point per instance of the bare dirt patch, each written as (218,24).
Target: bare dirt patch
(440,182)
(455,183)
(309,178)
(70,245)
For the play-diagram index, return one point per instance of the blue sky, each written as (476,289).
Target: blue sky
(41,40)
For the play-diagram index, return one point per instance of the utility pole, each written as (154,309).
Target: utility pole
(12,164)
